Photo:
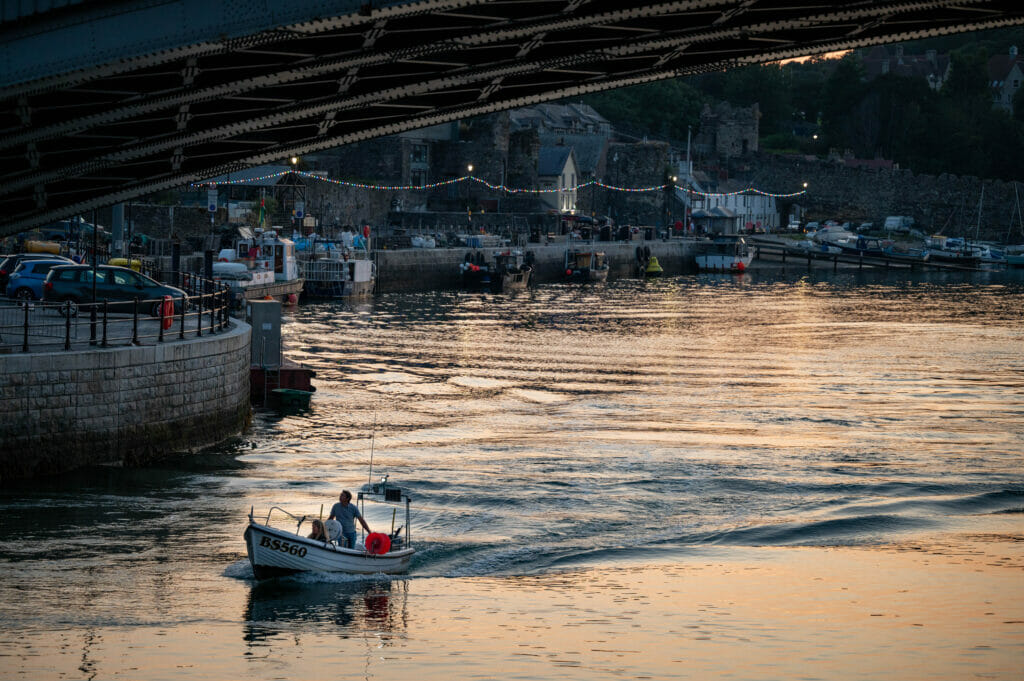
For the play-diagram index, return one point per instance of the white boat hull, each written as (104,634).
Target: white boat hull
(276,553)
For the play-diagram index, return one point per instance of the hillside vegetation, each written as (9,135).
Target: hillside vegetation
(954,130)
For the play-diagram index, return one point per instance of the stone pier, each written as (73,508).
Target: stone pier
(127,405)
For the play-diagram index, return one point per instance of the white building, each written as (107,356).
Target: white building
(754,212)
(557,169)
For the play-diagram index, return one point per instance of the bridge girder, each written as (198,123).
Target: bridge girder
(75,140)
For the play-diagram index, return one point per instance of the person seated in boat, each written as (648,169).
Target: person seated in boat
(319,533)
(346,513)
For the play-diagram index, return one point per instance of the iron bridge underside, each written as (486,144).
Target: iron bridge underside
(106,133)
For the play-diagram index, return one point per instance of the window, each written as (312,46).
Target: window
(69,275)
(418,153)
(418,178)
(124,278)
(42,267)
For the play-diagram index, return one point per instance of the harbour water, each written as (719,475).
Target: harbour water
(755,477)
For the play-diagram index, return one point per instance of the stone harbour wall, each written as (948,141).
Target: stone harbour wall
(123,406)
(946,204)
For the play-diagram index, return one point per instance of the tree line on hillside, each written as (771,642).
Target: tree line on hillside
(955,129)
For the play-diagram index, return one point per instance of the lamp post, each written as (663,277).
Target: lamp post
(670,186)
(469,190)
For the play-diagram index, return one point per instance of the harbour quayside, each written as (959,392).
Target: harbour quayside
(275,552)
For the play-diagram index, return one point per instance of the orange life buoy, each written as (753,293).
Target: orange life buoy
(378,543)
(167,312)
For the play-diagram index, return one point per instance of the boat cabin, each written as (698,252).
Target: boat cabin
(278,253)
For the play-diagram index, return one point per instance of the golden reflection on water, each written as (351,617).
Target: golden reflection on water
(952,611)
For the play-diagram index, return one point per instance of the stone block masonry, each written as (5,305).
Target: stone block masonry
(123,406)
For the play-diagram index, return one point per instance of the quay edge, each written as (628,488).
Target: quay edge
(129,405)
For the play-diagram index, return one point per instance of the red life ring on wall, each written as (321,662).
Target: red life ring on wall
(167,312)
(378,543)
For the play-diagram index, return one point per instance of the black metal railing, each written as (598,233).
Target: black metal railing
(37,326)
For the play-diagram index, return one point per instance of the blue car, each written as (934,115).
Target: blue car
(26,281)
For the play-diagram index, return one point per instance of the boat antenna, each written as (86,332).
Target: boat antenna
(369,477)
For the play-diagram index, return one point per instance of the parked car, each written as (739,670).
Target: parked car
(9,263)
(120,286)
(26,281)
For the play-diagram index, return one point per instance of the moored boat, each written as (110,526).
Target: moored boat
(475,272)
(585,265)
(953,250)
(865,246)
(277,552)
(724,253)
(261,265)
(512,270)
(911,255)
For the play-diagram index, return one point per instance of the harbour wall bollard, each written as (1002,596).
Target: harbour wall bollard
(417,269)
(129,405)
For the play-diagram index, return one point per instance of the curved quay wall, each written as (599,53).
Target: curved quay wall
(121,405)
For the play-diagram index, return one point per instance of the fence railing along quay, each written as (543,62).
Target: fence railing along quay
(37,326)
(784,252)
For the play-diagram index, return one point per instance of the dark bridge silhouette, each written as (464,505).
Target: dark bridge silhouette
(105,100)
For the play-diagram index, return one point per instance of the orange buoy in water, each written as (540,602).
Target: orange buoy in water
(740,266)
(378,543)
(293,299)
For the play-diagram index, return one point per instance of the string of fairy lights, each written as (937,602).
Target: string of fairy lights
(494,187)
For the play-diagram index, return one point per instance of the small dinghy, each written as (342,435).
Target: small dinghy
(275,552)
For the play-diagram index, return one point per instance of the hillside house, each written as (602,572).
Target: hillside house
(1005,76)
(932,67)
(557,169)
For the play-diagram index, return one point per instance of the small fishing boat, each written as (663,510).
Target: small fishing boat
(911,255)
(822,247)
(954,250)
(262,264)
(277,552)
(724,253)
(512,270)
(585,265)
(474,271)
(865,246)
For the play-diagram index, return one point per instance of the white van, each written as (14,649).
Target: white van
(899,223)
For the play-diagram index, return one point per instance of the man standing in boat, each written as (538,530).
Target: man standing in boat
(346,513)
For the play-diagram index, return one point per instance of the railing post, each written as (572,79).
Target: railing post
(24,342)
(199,318)
(92,321)
(184,309)
(226,306)
(160,321)
(135,322)
(67,325)
(105,312)
(213,307)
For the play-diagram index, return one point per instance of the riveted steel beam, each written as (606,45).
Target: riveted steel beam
(111,129)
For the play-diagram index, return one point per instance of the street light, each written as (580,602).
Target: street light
(295,160)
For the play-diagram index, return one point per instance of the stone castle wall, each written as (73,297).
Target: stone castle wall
(124,405)
(946,204)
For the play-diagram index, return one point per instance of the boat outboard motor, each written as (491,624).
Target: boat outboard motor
(333,528)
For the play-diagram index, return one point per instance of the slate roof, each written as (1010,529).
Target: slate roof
(552,160)
(1000,66)
(589,150)
(558,117)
